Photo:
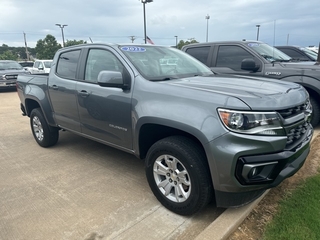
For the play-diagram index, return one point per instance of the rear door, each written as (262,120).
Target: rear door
(62,90)
(105,113)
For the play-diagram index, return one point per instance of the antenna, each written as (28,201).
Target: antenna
(318,59)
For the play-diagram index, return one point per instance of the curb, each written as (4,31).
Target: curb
(228,221)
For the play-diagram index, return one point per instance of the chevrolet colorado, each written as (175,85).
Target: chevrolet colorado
(202,136)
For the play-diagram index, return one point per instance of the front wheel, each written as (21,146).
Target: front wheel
(45,135)
(315,117)
(178,175)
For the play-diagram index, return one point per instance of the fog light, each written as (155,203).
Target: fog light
(253,172)
(257,172)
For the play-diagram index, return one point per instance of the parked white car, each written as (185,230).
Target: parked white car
(41,66)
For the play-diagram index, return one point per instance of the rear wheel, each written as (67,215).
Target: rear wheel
(315,118)
(178,175)
(45,135)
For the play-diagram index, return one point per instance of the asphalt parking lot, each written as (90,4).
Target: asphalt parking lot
(78,189)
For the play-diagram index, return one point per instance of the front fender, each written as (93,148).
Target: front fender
(308,82)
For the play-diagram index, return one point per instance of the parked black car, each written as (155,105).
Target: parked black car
(298,53)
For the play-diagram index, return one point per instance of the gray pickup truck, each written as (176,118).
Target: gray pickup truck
(258,59)
(203,137)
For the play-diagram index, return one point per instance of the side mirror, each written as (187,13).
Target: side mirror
(249,64)
(112,79)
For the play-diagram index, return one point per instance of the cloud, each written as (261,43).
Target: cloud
(115,21)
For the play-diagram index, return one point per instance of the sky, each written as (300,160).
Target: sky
(284,22)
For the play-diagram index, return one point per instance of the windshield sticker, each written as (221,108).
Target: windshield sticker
(133,49)
(253,44)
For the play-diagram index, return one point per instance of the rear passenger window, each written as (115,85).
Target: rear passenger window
(200,53)
(67,64)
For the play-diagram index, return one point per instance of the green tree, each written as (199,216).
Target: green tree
(182,43)
(74,42)
(4,48)
(8,55)
(47,47)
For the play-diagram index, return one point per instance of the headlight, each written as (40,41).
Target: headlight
(258,123)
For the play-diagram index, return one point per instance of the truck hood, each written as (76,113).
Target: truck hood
(302,65)
(263,94)
(12,72)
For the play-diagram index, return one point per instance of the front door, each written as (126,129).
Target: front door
(105,113)
(229,59)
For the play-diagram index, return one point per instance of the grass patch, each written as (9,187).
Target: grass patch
(298,216)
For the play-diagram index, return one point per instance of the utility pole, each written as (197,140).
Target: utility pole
(62,26)
(132,38)
(25,43)
(258,27)
(207,18)
(144,2)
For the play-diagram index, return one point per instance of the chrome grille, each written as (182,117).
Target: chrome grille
(287,113)
(296,133)
(11,76)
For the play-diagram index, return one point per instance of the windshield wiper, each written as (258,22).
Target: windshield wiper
(163,79)
(281,60)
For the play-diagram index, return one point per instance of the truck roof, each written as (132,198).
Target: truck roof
(226,42)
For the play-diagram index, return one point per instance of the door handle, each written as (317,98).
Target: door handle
(84,93)
(55,87)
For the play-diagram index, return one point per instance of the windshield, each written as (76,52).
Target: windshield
(47,64)
(310,53)
(158,63)
(26,64)
(10,65)
(269,53)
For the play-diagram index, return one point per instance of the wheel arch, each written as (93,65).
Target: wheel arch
(31,103)
(152,130)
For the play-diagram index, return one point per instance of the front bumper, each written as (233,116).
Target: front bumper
(246,166)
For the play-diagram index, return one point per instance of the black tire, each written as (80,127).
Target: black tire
(44,135)
(176,164)
(315,118)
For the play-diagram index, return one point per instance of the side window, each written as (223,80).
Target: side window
(67,64)
(99,60)
(36,64)
(200,53)
(40,65)
(293,54)
(231,57)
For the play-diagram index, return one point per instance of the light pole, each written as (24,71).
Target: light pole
(62,26)
(144,18)
(176,41)
(207,17)
(258,26)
